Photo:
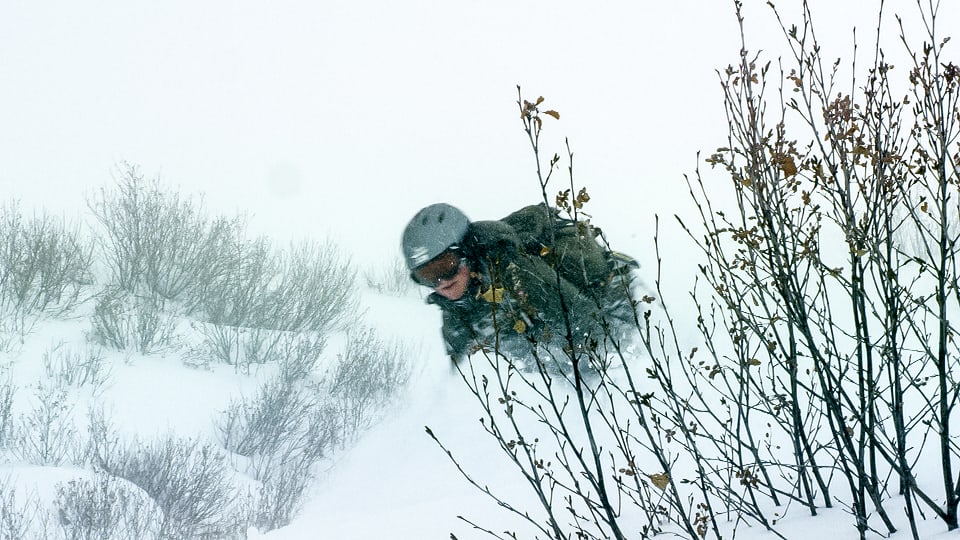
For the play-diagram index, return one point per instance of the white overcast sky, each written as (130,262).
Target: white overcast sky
(344,117)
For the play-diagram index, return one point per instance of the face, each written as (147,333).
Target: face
(455,288)
(446,274)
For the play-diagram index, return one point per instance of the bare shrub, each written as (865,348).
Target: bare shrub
(158,243)
(260,425)
(105,507)
(17,517)
(392,279)
(281,492)
(45,265)
(307,288)
(285,417)
(46,435)
(268,306)
(280,433)
(7,391)
(300,354)
(823,371)
(102,443)
(245,348)
(132,323)
(188,481)
(367,377)
(315,290)
(68,367)
(235,297)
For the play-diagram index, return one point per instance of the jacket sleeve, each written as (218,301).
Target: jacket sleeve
(457,336)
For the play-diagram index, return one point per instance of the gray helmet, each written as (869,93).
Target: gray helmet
(430,232)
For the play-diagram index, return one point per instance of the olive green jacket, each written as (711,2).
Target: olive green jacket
(516,300)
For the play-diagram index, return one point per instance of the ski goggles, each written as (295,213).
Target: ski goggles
(443,267)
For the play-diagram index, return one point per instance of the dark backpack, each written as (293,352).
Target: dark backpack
(571,247)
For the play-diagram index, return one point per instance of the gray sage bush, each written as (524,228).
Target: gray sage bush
(157,243)
(367,377)
(127,322)
(281,493)
(244,296)
(391,279)
(188,481)
(257,427)
(308,287)
(270,304)
(823,371)
(106,507)
(278,434)
(7,392)
(45,267)
(17,517)
(67,367)
(46,435)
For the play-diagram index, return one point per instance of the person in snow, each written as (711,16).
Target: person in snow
(518,284)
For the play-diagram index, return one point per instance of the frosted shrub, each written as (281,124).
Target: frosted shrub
(131,323)
(235,296)
(7,391)
(187,480)
(157,242)
(17,517)
(105,507)
(46,435)
(315,292)
(281,432)
(296,353)
(299,355)
(44,268)
(273,418)
(281,492)
(392,279)
(68,367)
(309,287)
(271,306)
(368,375)
(102,444)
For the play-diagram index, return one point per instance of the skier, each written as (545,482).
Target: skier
(528,284)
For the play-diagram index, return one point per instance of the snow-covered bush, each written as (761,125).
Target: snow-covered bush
(45,265)
(235,296)
(315,290)
(295,352)
(188,480)
(102,443)
(17,517)
(166,258)
(46,435)
(268,305)
(291,423)
(67,367)
(128,322)
(106,508)
(391,279)
(7,391)
(369,374)
(157,243)
(308,287)
(281,491)
(261,425)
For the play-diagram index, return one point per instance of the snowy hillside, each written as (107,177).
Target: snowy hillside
(185,352)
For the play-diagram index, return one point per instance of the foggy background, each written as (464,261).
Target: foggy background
(343,117)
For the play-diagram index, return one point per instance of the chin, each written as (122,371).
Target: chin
(455,292)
